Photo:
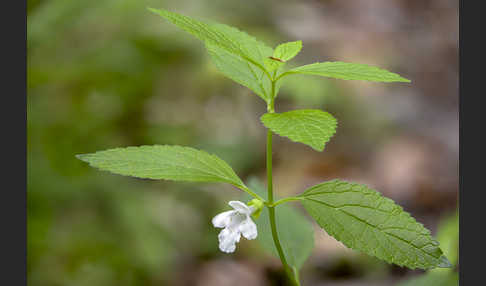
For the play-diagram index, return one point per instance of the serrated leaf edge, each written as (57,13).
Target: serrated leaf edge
(225,178)
(443,261)
(297,70)
(335,125)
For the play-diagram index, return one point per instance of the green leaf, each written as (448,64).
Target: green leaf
(163,162)
(349,71)
(223,36)
(282,53)
(295,231)
(287,51)
(273,64)
(249,47)
(364,220)
(447,278)
(240,70)
(309,126)
(448,236)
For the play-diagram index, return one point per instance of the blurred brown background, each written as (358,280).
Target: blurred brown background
(108,73)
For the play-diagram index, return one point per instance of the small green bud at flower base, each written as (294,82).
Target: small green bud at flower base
(257,206)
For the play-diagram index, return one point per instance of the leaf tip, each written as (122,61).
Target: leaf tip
(156,11)
(318,148)
(444,262)
(81,157)
(402,79)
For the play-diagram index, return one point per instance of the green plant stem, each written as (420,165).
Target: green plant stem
(269,167)
(284,200)
(271,207)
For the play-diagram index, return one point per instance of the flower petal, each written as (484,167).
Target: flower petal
(235,220)
(228,239)
(249,229)
(222,219)
(240,207)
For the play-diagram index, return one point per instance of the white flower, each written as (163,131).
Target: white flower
(235,223)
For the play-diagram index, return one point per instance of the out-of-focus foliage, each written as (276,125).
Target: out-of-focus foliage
(108,73)
(448,236)
(433,278)
(105,74)
(295,231)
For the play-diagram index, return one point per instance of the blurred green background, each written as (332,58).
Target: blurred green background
(108,73)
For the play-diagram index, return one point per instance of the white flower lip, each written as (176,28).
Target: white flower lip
(235,223)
